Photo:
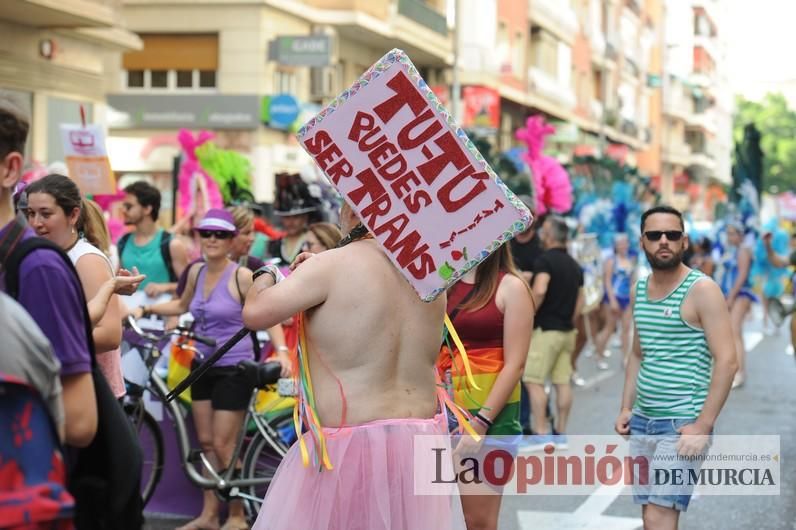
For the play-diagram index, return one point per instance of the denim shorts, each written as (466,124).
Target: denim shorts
(667,482)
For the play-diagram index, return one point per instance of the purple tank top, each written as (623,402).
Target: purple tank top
(219,317)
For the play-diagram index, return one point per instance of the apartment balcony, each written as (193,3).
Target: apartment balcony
(612,46)
(705,121)
(412,25)
(556,16)
(703,80)
(678,154)
(424,15)
(60,13)
(598,43)
(709,45)
(710,7)
(550,88)
(629,128)
(703,160)
(379,9)
(597,110)
(679,107)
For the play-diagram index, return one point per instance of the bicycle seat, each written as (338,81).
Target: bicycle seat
(260,375)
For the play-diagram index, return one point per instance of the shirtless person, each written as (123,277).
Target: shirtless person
(370,337)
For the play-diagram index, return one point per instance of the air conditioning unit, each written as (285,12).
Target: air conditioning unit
(323,82)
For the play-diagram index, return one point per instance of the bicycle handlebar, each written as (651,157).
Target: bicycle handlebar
(179,331)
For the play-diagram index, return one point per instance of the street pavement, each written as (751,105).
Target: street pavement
(766,404)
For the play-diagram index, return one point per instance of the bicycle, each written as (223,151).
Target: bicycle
(266,439)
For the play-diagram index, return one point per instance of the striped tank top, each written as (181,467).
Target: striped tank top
(676,366)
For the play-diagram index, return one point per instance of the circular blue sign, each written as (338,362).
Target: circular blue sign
(283,110)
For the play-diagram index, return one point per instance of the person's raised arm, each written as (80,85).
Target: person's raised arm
(268,305)
(275,333)
(124,283)
(93,271)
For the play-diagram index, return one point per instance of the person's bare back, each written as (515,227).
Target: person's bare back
(366,326)
(377,337)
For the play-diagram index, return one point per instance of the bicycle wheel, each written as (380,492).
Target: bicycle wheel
(151,440)
(260,461)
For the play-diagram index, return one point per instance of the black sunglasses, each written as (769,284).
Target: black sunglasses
(218,234)
(671,235)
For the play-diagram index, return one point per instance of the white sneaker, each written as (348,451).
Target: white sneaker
(577,380)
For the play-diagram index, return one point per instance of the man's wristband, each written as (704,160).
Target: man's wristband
(265,269)
(282,349)
(146,311)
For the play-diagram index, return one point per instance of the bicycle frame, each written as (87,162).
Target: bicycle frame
(224,481)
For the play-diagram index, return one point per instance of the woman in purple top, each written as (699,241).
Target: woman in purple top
(214,294)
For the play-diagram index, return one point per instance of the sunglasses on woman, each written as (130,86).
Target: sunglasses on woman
(671,235)
(218,234)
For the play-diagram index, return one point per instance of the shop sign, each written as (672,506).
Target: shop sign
(413,176)
(280,111)
(302,50)
(481,108)
(87,158)
(189,111)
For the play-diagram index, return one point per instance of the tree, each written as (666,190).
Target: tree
(777,125)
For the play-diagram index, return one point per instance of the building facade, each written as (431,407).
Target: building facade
(698,106)
(584,64)
(53,58)
(259,68)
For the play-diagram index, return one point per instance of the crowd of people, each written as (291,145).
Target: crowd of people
(374,347)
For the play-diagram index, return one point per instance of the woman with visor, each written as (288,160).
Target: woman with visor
(214,294)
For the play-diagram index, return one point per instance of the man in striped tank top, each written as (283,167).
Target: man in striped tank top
(681,370)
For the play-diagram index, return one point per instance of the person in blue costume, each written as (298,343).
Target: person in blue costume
(619,277)
(769,273)
(735,281)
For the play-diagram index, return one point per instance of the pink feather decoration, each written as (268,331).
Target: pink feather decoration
(198,192)
(552,187)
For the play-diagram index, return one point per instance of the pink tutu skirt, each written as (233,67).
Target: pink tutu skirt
(371,485)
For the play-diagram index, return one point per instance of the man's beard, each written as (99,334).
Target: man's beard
(662,264)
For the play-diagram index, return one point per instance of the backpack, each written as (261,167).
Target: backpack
(165,253)
(32,471)
(104,477)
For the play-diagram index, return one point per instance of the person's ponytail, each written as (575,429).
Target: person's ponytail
(92,225)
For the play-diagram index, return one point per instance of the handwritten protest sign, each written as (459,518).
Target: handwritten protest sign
(87,158)
(412,175)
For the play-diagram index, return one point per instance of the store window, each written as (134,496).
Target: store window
(285,82)
(518,57)
(173,63)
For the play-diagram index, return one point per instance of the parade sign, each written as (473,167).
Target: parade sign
(87,159)
(413,176)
